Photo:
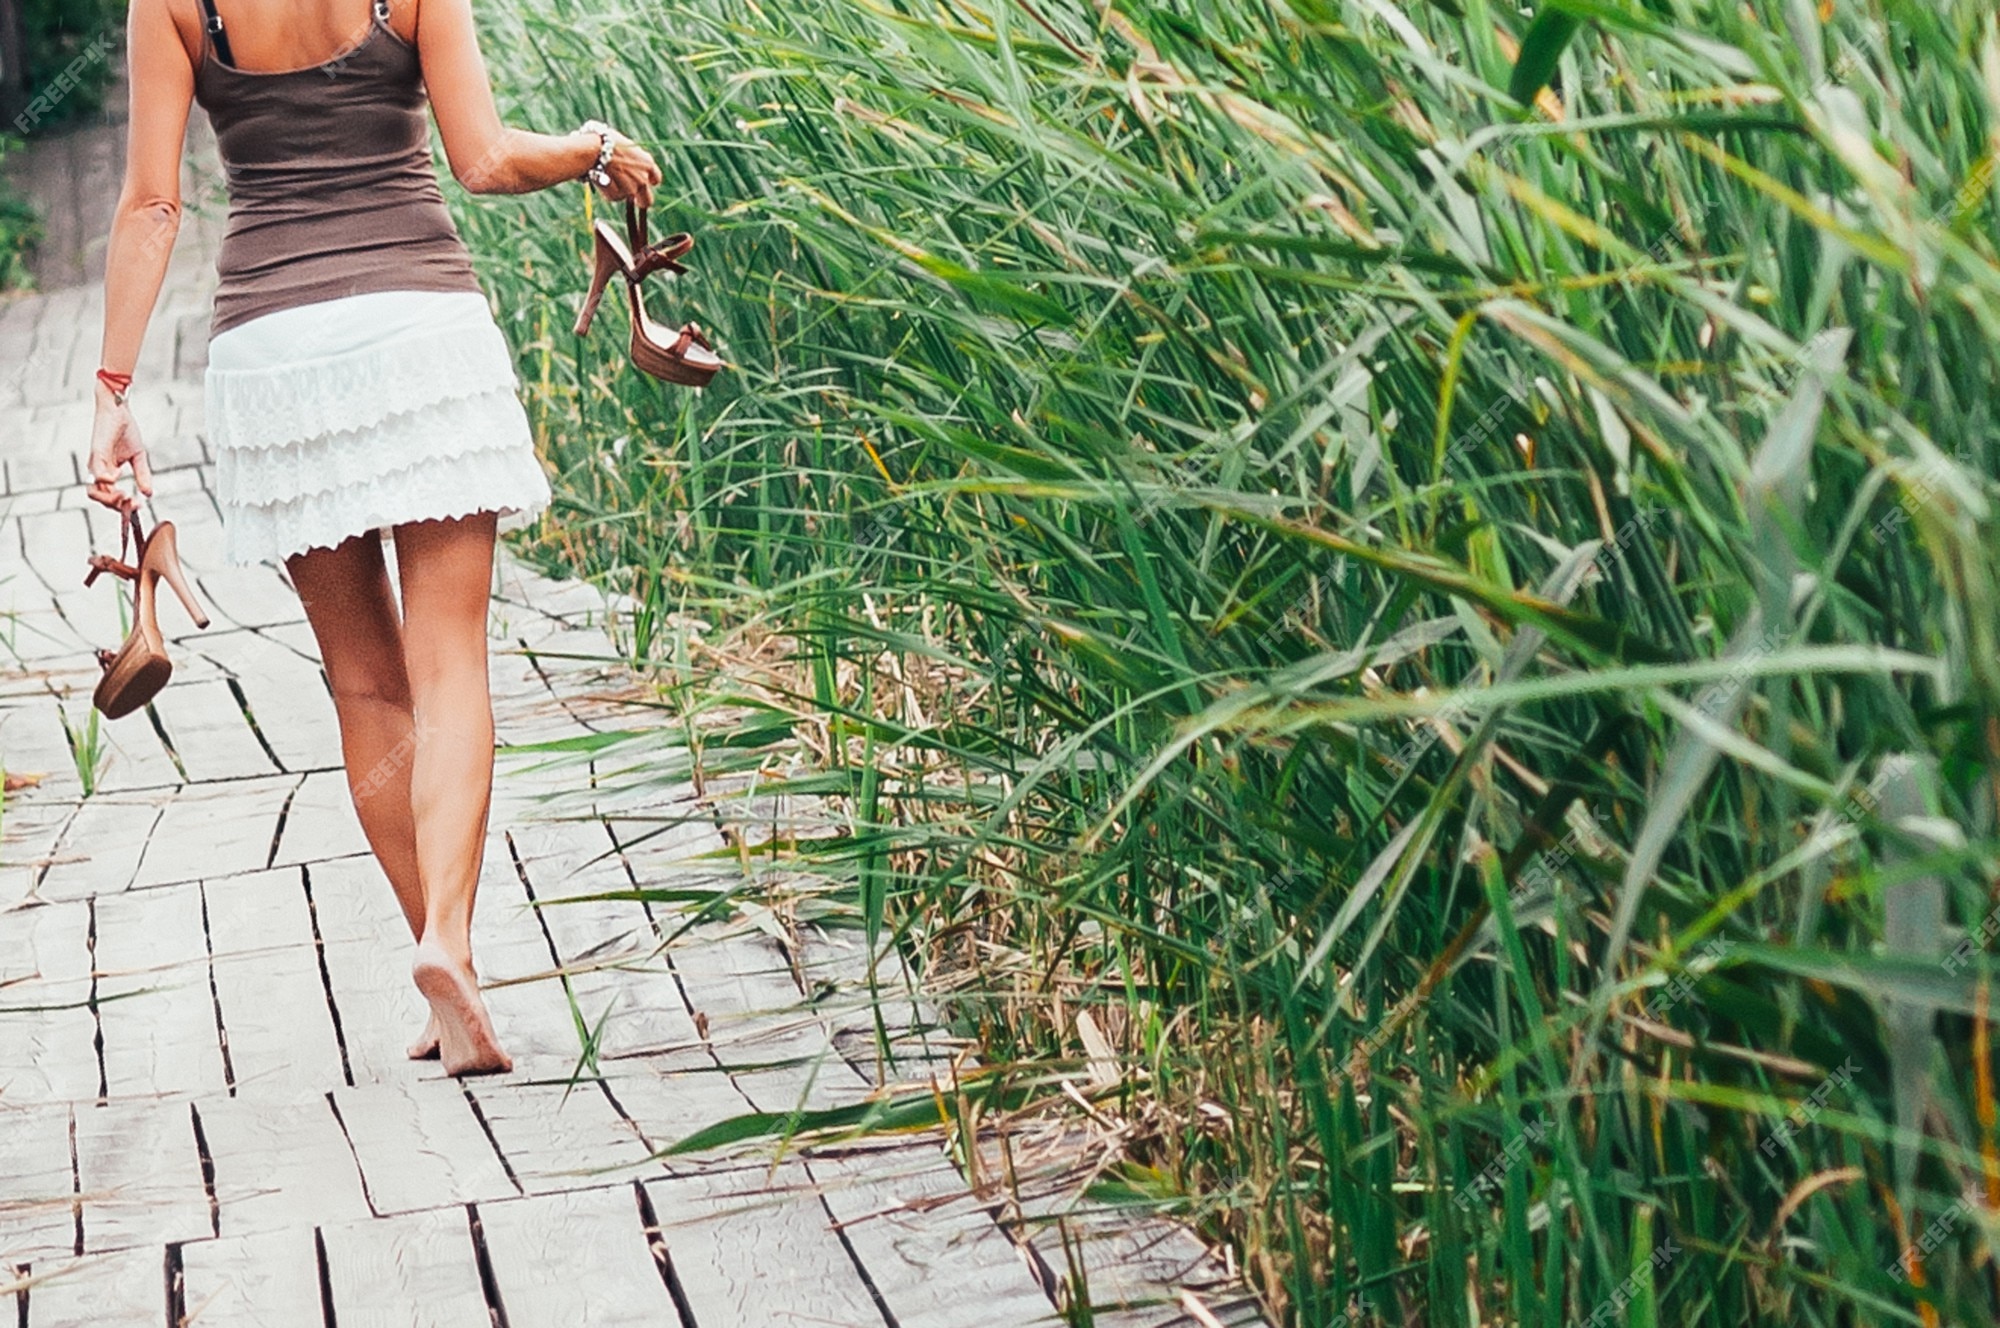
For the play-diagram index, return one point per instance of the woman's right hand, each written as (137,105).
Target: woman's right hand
(115,443)
(632,170)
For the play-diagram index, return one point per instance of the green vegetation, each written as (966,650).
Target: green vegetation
(71,51)
(87,749)
(20,231)
(57,59)
(1427,566)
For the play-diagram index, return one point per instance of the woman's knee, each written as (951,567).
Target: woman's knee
(446,574)
(352,608)
(379,683)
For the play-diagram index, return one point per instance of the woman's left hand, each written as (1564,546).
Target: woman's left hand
(114,442)
(632,170)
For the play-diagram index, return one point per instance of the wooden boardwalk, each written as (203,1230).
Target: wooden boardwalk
(206,1116)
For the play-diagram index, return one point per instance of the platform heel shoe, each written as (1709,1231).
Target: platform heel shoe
(682,355)
(137,670)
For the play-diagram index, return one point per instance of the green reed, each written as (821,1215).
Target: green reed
(1428,566)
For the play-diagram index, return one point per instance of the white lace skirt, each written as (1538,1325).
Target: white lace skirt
(343,417)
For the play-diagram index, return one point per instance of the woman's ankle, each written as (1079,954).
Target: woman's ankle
(454,945)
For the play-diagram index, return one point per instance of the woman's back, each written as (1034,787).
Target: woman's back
(331,187)
(276,35)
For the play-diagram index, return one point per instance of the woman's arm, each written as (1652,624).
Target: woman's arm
(143,230)
(487,156)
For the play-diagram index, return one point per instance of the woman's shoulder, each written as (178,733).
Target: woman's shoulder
(405,19)
(182,16)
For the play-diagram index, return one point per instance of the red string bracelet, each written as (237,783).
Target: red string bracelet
(119,383)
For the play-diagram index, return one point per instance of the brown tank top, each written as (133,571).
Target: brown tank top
(331,187)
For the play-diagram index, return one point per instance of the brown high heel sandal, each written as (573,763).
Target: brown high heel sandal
(655,349)
(136,672)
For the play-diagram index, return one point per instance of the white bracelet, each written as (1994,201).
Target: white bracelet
(597,175)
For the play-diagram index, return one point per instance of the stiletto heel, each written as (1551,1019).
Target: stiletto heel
(610,263)
(654,349)
(138,669)
(167,543)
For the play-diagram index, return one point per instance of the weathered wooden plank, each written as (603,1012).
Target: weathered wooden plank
(140,1171)
(47,1037)
(514,684)
(57,548)
(1135,1267)
(580,603)
(530,1008)
(127,1289)
(742,984)
(30,830)
(520,722)
(556,1138)
(379,1008)
(294,636)
(417,1270)
(35,634)
(367,954)
(205,724)
(197,525)
(534,785)
(821,1083)
(837,969)
(38,1203)
(756,1246)
(913,1056)
(567,861)
(934,1266)
(268,1279)
(667,1104)
(576,1258)
(420,1146)
(1135,1270)
(212,830)
(155,1009)
(130,755)
(287,696)
(100,851)
(279,1164)
(353,901)
(267,982)
(321,821)
(249,596)
(668,841)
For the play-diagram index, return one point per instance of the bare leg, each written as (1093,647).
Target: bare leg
(446,570)
(352,609)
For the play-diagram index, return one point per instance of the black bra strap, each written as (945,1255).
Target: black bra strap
(213,22)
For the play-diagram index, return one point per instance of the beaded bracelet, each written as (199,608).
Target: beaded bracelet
(597,175)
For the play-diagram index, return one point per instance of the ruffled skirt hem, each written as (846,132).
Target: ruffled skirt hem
(360,414)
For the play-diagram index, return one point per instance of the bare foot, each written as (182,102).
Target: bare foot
(467,1043)
(425,1048)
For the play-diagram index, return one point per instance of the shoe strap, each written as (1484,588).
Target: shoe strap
(648,258)
(690,332)
(664,256)
(131,541)
(104,562)
(106,658)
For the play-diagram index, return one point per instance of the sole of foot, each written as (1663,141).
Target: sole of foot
(467,1043)
(425,1048)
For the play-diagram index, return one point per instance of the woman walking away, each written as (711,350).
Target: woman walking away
(357,384)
